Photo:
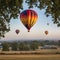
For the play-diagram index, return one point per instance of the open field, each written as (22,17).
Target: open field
(41,51)
(45,54)
(30,57)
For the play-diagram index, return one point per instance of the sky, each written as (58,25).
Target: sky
(37,31)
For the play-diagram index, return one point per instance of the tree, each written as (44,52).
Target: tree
(52,8)
(11,9)
(5,46)
(34,45)
(23,47)
(8,9)
(58,42)
(14,46)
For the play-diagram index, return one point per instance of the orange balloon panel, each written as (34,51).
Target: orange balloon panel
(28,18)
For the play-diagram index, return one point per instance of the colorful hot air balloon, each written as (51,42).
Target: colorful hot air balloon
(17,31)
(46,32)
(28,18)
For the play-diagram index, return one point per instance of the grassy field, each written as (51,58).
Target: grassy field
(30,57)
(45,54)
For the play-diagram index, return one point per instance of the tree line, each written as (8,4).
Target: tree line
(27,45)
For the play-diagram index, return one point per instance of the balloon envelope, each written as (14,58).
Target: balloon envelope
(28,18)
(17,31)
(46,32)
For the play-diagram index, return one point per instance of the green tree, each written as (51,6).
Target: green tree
(8,9)
(24,47)
(5,46)
(34,45)
(52,8)
(14,46)
(58,42)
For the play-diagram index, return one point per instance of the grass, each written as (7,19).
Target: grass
(45,54)
(29,57)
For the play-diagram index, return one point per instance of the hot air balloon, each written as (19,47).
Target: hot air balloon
(46,32)
(17,31)
(28,18)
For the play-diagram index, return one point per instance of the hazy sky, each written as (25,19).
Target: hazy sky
(37,31)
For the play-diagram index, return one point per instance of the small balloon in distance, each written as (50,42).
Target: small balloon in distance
(17,31)
(46,32)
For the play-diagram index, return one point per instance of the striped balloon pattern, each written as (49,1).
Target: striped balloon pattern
(28,18)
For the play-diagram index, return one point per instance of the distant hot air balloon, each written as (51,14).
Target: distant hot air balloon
(17,31)
(28,18)
(46,32)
